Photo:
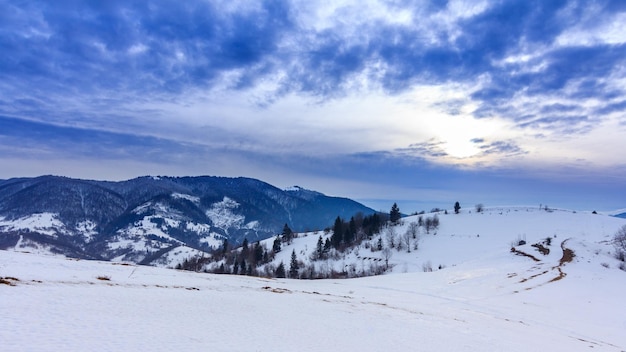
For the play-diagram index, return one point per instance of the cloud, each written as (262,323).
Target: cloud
(500,148)
(471,83)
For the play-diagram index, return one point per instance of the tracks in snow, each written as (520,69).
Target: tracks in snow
(539,271)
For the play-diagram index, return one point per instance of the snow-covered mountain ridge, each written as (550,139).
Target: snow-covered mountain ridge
(143,219)
(484,296)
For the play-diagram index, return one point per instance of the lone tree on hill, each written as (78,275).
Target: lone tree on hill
(457,207)
(394,214)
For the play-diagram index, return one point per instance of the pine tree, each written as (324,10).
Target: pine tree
(337,238)
(236,268)
(258,253)
(327,245)
(350,232)
(276,247)
(293,267)
(245,250)
(225,247)
(394,214)
(287,234)
(319,248)
(280,271)
(243,268)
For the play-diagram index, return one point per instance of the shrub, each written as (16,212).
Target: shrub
(619,240)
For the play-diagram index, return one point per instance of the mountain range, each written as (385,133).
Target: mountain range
(155,220)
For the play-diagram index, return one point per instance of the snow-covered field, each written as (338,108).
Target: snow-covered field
(484,298)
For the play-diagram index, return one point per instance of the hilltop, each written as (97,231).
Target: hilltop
(459,239)
(484,297)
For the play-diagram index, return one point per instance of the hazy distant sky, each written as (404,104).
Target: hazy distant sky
(420,102)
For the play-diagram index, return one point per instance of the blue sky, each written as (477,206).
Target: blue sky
(422,103)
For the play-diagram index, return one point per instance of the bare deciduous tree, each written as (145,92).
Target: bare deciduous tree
(411,235)
(407,238)
(387,255)
(413,229)
(390,231)
(619,241)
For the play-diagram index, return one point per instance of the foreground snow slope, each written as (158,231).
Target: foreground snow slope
(485,299)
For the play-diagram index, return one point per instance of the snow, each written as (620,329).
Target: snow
(24,244)
(188,197)
(176,256)
(214,240)
(45,223)
(460,236)
(222,215)
(485,299)
(252,225)
(145,227)
(87,228)
(199,228)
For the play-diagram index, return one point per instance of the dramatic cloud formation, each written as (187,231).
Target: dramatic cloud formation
(425,102)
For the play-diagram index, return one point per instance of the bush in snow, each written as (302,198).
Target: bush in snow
(619,241)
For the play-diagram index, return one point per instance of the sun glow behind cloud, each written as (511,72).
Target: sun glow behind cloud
(464,85)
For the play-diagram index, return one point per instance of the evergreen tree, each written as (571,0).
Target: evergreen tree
(225,247)
(350,232)
(245,250)
(280,271)
(287,234)
(276,247)
(258,253)
(457,207)
(337,238)
(236,268)
(327,245)
(242,267)
(394,214)
(293,267)
(319,248)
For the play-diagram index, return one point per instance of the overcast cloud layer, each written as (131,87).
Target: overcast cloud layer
(419,102)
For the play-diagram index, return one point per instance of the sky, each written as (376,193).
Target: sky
(422,103)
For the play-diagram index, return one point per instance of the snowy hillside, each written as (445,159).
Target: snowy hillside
(485,297)
(467,237)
